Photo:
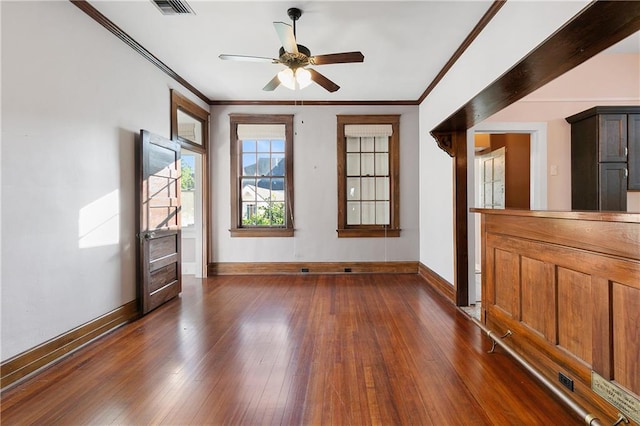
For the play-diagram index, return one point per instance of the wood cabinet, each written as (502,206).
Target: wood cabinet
(605,157)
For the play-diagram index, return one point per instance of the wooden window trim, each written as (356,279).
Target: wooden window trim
(366,231)
(237,230)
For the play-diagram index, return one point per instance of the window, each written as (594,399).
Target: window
(262,175)
(368,175)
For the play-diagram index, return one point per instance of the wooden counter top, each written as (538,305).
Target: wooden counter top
(575,215)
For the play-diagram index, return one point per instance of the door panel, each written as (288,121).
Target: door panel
(159,277)
(613,137)
(613,186)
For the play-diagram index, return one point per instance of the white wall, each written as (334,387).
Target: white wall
(73,99)
(517,29)
(315,183)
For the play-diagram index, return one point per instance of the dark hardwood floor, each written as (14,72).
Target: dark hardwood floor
(290,350)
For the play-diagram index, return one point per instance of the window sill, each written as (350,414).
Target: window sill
(261,232)
(368,233)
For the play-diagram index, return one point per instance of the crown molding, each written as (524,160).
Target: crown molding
(129,41)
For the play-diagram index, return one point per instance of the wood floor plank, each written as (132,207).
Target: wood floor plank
(290,350)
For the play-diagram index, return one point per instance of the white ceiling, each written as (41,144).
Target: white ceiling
(405,43)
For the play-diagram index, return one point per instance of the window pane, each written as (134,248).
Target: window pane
(353,144)
(353,188)
(249,164)
(488,195)
(382,164)
(382,144)
(353,213)
(277,165)
(368,189)
(248,213)
(277,146)
(248,190)
(353,164)
(367,168)
(277,189)
(189,127)
(188,164)
(264,146)
(248,146)
(498,194)
(366,144)
(264,165)
(488,170)
(368,212)
(277,214)
(382,188)
(263,189)
(498,168)
(382,213)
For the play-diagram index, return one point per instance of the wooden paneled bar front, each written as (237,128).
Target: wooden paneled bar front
(567,285)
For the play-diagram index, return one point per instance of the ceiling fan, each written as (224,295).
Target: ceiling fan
(296,58)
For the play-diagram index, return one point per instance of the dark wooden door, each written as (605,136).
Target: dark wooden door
(158,190)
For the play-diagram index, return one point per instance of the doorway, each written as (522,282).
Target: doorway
(192,213)
(190,128)
(536,133)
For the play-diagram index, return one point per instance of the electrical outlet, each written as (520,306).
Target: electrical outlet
(566,381)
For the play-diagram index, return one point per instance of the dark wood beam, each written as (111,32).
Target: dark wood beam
(460,207)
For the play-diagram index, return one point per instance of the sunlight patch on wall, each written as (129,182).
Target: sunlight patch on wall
(99,222)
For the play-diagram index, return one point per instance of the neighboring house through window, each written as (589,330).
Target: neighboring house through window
(368,175)
(262,175)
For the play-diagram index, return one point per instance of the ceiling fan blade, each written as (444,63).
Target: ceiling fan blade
(287,38)
(323,81)
(248,58)
(337,58)
(273,84)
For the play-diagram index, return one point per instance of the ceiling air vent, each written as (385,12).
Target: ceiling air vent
(173,7)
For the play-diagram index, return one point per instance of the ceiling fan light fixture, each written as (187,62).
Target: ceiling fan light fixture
(287,78)
(303,77)
(294,80)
